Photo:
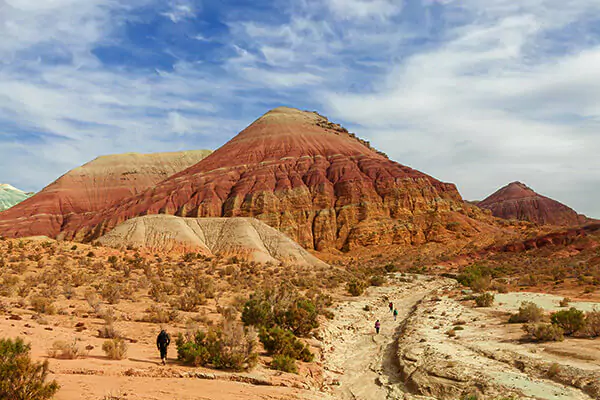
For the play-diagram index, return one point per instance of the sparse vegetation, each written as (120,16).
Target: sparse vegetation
(485,300)
(115,349)
(42,305)
(528,312)
(20,377)
(66,350)
(356,288)
(543,332)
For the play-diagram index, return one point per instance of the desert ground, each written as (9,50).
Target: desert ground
(441,346)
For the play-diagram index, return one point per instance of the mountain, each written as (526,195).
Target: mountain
(307,177)
(11,196)
(517,201)
(99,184)
(245,238)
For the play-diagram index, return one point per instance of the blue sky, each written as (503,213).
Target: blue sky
(479,93)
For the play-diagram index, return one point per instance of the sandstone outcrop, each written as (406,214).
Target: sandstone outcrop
(307,177)
(244,238)
(94,186)
(517,201)
(10,196)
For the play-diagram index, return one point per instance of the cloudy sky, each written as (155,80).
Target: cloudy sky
(475,92)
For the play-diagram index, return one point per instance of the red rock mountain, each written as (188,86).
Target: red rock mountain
(517,201)
(305,176)
(94,186)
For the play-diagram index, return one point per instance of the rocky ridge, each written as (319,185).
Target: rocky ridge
(517,201)
(101,183)
(308,178)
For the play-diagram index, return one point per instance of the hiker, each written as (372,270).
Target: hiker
(162,343)
(395,314)
(391,306)
(377,326)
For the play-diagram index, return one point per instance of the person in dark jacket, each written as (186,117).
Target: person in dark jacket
(162,343)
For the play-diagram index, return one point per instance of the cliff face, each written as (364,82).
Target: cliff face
(94,186)
(517,201)
(11,196)
(305,176)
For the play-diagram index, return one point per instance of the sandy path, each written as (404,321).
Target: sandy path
(358,363)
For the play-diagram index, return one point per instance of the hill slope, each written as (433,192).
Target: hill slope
(99,184)
(245,238)
(518,201)
(11,196)
(304,176)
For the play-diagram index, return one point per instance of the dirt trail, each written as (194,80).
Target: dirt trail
(358,363)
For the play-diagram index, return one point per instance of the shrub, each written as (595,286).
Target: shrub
(65,350)
(553,370)
(544,332)
(472,276)
(391,267)
(279,341)
(565,302)
(258,311)
(485,300)
(300,317)
(159,315)
(189,301)
(111,292)
(42,305)
(377,280)
(592,324)
(356,288)
(231,347)
(115,349)
(284,363)
(21,378)
(280,307)
(528,312)
(571,320)
(108,331)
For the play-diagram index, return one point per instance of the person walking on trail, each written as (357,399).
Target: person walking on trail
(162,343)
(377,326)
(395,314)
(391,305)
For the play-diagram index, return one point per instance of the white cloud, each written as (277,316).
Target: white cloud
(180,10)
(350,9)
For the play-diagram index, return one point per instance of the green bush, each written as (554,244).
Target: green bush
(284,363)
(356,288)
(544,332)
(258,311)
(571,321)
(528,312)
(288,310)
(485,300)
(300,317)
(20,378)
(230,347)
(283,342)
(473,273)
